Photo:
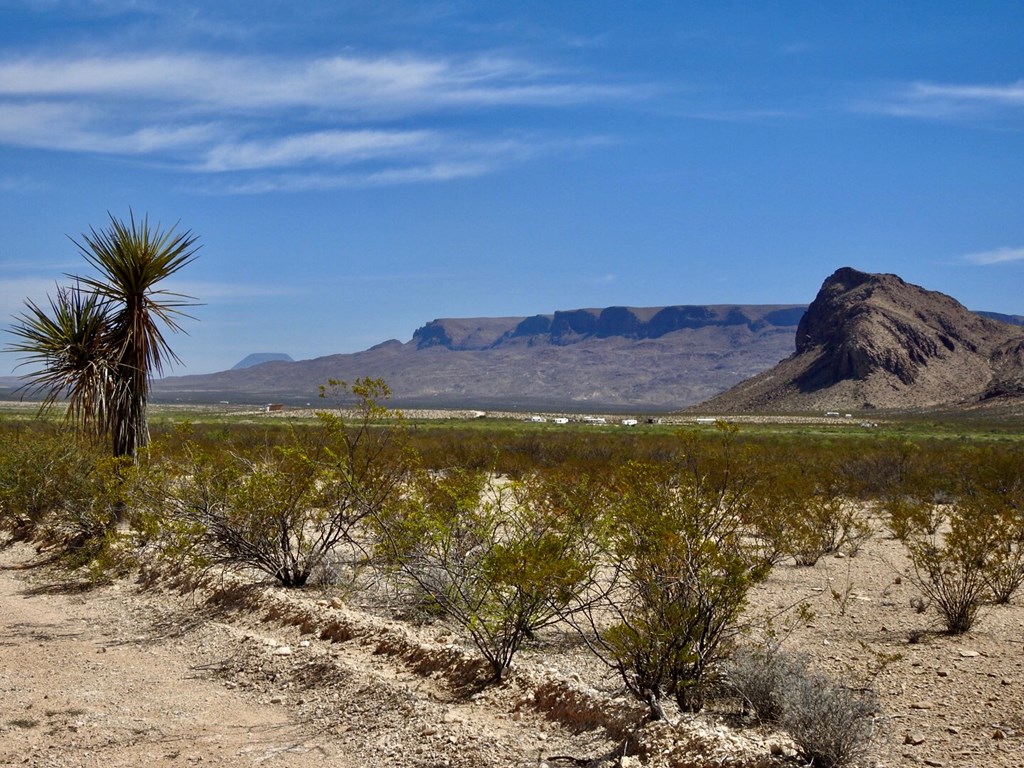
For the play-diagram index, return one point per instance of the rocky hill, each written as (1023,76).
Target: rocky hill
(874,341)
(659,358)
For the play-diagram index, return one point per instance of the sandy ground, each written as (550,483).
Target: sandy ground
(126,675)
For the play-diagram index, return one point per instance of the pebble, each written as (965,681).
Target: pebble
(969,654)
(284,650)
(913,738)
(924,704)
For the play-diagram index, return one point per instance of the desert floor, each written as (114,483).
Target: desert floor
(128,674)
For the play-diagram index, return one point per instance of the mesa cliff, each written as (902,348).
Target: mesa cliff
(653,358)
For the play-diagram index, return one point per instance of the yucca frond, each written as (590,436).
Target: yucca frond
(68,344)
(131,259)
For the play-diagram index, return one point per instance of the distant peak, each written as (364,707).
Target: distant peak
(258,358)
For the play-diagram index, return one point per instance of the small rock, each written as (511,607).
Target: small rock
(933,763)
(942,672)
(336,603)
(952,729)
(284,650)
(276,700)
(1006,681)
(914,739)
(998,734)
(969,654)
(923,704)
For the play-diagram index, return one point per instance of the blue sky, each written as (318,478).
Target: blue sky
(356,169)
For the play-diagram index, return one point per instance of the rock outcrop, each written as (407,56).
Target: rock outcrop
(875,341)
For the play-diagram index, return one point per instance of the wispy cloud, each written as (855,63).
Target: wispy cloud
(21,184)
(206,113)
(334,146)
(995,256)
(946,101)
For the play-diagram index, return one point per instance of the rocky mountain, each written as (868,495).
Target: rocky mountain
(659,358)
(874,341)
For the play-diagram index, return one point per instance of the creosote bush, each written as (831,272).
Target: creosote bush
(680,567)
(501,558)
(285,509)
(65,494)
(950,568)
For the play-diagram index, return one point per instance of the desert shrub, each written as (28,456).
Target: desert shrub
(682,566)
(992,490)
(500,558)
(42,472)
(760,675)
(283,510)
(801,509)
(60,490)
(830,723)
(950,569)
(914,497)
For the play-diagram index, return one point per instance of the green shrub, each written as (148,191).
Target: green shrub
(285,509)
(501,558)
(681,565)
(950,569)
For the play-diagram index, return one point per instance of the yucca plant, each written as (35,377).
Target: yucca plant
(101,341)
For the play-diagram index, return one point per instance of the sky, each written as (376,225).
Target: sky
(355,169)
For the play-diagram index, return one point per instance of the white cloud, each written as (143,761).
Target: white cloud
(207,113)
(72,127)
(946,101)
(996,256)
(335,146)
(21,184)
(394,85)
(316,182)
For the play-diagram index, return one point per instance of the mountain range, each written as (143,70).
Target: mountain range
(866,342)
(655,358)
